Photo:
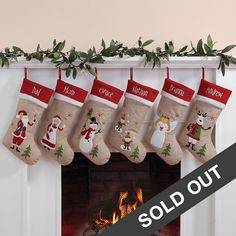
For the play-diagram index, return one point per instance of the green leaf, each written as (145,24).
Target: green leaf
(17,49)
(228,48)
(72,56)
(171,47)
(226,60)
(183,48)
(38,48)
(74,74)
(156,62)
(54,42)
(207,49)
(145,61)
(56,55)
(97,59)
(158,50)
(7,50)
(200,48)
(90,54)
(68,71)
(210,42)
(223,68)
(146,43)
(140,42)
(83,54)
(90,69)
(5,62)
(166,46)
(233,60)
(112,43)
(193,48)
(103,44)
(60,46)
(221,60)
(28,57)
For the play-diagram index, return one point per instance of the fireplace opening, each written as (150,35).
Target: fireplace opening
(95,197)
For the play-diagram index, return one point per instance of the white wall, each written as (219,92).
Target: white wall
(83,23)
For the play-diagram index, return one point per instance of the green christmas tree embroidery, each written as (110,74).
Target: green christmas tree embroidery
(27,152)
(167,150)
(59,152)
(202,151)
(135,153)
(94,151)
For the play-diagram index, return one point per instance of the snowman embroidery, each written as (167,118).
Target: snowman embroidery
(49,140)
(120,124)
(163,125)
(87,136)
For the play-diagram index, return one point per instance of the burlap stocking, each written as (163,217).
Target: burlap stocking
(88,137)
(124,135)
(19,138)
(162,135)
(60,117)
(196,134)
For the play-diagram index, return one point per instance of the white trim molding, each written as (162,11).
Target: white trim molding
(174,98)
(67,99)
(139,99)
(210,101)
(103,101)
(32,99)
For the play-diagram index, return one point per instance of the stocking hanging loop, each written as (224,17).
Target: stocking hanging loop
(59,73)
(203,73)
(26,73)
(167,72)
(96,73)
(131,73)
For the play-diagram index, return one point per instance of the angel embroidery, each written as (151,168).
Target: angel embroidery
(163,125)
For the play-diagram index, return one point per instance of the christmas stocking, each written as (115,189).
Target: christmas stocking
(162,135)
(124,135)
(59,118)
(19,138)
(88,137)
(196,134)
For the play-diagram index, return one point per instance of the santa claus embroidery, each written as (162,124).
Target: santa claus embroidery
(195,129)
(19,135)
(49,140)
(87,135)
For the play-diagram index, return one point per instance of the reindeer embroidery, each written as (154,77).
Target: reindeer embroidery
(194,134)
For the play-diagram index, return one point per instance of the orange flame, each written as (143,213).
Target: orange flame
(124,208)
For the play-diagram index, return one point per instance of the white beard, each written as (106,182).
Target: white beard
(25,122)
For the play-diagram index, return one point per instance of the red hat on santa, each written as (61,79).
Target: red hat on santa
(22,113)
(57,117)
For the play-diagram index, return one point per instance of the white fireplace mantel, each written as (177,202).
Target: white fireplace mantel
(31,196)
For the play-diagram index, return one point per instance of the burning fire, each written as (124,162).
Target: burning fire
(123,208)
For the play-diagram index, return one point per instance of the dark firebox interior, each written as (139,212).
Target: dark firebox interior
(87,189)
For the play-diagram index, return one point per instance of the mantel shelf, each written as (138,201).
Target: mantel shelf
(126,62)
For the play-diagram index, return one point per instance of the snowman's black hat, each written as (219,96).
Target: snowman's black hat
(93,121)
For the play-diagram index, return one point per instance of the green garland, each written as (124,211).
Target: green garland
(72,60)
